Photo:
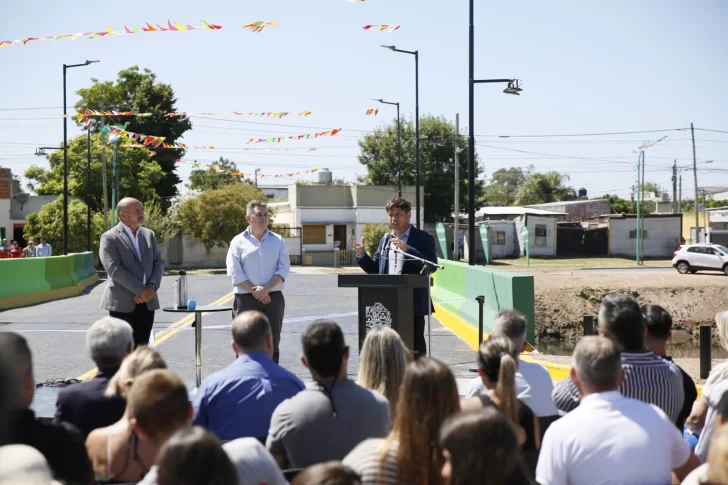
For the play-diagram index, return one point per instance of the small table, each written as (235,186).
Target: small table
(198,311)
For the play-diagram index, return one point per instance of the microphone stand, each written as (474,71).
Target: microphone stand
(426,267)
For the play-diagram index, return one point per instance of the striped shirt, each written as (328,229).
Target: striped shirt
(647,377)
(366,461)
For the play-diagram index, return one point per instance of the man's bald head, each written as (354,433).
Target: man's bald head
(252,333)
(131,212)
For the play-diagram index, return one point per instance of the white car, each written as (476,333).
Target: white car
(700,257)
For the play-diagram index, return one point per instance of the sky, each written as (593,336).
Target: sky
(587,68)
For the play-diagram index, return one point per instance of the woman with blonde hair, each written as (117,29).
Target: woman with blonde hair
(116,453)
(382,362)
(411,453)
(497,367)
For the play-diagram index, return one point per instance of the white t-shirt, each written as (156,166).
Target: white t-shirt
(706,435)
(717,374)
(608,440)
(533,386)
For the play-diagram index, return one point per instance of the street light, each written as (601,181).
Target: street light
(514,87)
(417,126)
(399,146)
(65,155)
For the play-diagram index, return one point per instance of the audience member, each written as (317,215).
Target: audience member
(533,382)
(16,251)
(85,405)
(4,249)
(43,250)
(9,388)
(382,360)
(717,416)
(497,367)
(193,456)
(715,471)
(610,438)
(116,452)
(410,454)
(60,444)
(467,437)
(659,332)
(647,377)
(330,473)
(30,250)
(24,465)
(239,401)
(719,373)
(328,419)
(255,465)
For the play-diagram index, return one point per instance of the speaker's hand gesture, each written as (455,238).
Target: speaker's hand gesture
(359,247)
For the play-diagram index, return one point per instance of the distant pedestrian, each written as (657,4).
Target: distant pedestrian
(4,249)
(16,251)
(29,251)
(43,250)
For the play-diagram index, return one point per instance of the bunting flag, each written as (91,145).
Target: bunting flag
(383,27)
(647,144)
(87,113)
(212,147)
(372,111)
(238,174)
(279,139)
(259,26)
(355,1)
(109,31)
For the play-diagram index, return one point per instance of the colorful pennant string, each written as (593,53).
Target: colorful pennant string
(238,174)
(211,147)
(259,26)
(383,27)
(264,114)
(372,112)
(647,144)
(279,139)
(109,31)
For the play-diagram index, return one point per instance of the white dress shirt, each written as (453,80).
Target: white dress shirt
(43,250)
(396,258)
(135,241)
(257,261)
(611,440)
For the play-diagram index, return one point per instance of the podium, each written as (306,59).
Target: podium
(386,301)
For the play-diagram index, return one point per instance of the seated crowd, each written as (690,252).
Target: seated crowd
(626,414)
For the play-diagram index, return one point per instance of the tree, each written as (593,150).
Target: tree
(618,205)
(372,234)
(207,179)
(505,185)
(140,92)
(48,223)
(437,145)
(138,177)
(217,216)
(157,221)
(652,188)
(542,188)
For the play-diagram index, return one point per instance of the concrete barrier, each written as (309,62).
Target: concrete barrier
(27,281)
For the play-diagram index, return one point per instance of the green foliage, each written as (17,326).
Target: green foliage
(618,205)
(163,226)
(505,185)
(48,223)
(542,188)
(141,92)
(217,216)
(437,149)
(373,233)
(139,176)
(206,179)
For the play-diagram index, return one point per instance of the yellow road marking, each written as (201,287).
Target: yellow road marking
(163,335)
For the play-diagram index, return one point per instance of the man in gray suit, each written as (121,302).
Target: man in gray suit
(134,266)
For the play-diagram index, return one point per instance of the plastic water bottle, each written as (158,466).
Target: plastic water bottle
(175,295)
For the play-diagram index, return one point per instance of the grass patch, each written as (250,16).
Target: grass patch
(580,263)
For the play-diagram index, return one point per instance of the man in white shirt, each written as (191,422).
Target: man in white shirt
(43,250)
(533,382)
(610,439)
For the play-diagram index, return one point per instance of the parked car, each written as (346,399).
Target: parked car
(700,257)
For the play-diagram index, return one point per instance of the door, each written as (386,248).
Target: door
(713,259)
(340,235)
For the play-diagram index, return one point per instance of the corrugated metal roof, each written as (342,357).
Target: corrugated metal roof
(516,211)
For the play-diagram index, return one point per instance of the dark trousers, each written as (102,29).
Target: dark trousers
(141,321)
(273,310)
(420,342)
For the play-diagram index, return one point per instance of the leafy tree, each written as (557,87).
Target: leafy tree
(48,223)
(138,177)
(207,179)
(372,234)
(437,147)
(652,188)
(217,216)
(542,188)
(161,224)
(618,205)
(505,185)
(141,92)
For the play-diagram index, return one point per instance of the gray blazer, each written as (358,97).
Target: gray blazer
(125,271)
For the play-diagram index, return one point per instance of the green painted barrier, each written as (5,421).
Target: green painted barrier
(81,267)
(56,272)
(22,276)
(502,290)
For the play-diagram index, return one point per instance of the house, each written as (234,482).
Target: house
(660,234)
(576,210)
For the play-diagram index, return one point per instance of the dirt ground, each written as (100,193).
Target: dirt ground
(563,298)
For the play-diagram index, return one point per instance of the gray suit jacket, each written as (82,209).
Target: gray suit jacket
(125,271)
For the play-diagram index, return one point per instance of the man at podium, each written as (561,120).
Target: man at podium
(389,259)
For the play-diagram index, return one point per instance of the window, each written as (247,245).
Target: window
(314,234)
(500,238)
(693,250)
(540,235)
(633,234)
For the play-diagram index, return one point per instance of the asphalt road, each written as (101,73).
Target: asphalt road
(56,331)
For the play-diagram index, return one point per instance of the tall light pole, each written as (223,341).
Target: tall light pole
(65,156)
(399,145)
(417,127)
(695,178)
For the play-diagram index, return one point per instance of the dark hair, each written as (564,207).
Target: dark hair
(250,329)
(658,321)
(324,347)
(17,352)
(470,436)
(399,203)
(194,456)
(620,315)
(498,359)
(8,391)
(329,473)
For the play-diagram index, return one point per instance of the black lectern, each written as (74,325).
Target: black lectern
(386,301)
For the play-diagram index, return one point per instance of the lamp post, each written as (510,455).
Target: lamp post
(417,126)
(399,146)
(65,156)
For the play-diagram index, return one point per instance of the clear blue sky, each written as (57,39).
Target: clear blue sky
(587,67)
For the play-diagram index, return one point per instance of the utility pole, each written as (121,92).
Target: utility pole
(114,183)
(103,174)
(456,225)
(88,188)
(679,193)
(639,209)
(642,219)
(674,187)
(634,207)
(256,177)
(695,177)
